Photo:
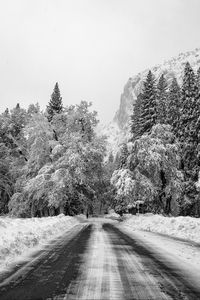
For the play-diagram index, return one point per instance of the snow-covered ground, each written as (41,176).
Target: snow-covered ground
(20,237)
(178,238)
(186,228)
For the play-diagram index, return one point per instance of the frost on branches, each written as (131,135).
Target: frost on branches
(152,174)
(64,164)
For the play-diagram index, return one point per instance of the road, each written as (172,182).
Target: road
(97,260)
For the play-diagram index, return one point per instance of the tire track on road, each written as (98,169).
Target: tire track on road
(147,275)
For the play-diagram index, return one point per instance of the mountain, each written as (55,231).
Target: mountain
(117,130)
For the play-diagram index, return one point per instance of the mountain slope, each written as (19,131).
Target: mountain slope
(118,130)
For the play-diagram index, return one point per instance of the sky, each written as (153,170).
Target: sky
(90,47)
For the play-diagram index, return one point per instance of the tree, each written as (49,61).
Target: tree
(162,99)
(55,105)
(33,109)
(136,118)
(123,154)
(152,173)
(188,117)
(6,181)
(173,105)
(18,119)
(198,78)
(148,116)
(62,174)
(188,136)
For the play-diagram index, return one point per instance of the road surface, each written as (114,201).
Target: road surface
(97,260)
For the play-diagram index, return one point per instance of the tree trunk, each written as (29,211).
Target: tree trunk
(33,211)
(46,212)
(62,209)
(52,211)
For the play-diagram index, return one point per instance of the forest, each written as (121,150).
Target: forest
(51,162)
(160,164)
(55,161)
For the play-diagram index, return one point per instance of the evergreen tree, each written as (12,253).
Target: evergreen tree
(111,158)
(188,137)
(162,99)
(135,118)
(198,78)
(173,105)
(123,155)
(55,104)
(188,115)
(148,116)
(117,161)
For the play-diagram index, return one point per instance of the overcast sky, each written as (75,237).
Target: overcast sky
(91,47)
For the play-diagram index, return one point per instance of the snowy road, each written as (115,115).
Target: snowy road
(97,260)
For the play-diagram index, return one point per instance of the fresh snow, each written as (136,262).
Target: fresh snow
(177,238)
(19,237)
(186,228)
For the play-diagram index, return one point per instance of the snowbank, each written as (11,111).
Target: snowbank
(20,236)
(187,228)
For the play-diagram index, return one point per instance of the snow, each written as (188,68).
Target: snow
(182,254)
(177,238)
(186,228)
(19,237)
(113,215)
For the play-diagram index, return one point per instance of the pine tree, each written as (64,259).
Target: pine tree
(173,105)
(123,155)
(117,161)
(188,115)
(135,118)
(198,78)
(162,99)
(55,104)
(148,116)
(188,136)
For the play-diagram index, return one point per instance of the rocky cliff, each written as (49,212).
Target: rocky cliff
(118,129)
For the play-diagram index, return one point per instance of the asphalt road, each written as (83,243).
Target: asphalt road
(96,260)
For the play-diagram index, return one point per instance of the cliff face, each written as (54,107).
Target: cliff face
(170,68)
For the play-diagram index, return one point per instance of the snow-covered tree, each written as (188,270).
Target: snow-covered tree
(161,99)
(123,154)
(173,105)
(198,78)
(55,105)
(152,174)
(136,118)
(148,117)
(189,93)
(62,173)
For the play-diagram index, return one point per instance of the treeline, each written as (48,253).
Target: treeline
(51,162)
(160,165)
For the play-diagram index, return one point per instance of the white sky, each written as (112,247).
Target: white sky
(91,47)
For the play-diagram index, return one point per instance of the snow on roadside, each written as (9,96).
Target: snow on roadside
(186,228)
(20,236)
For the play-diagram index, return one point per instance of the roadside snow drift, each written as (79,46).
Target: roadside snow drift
(186,228)
(20,236)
